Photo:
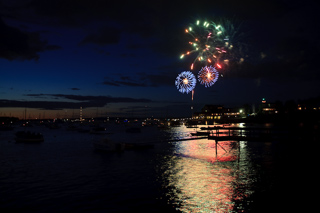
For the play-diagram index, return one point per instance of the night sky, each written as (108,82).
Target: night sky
(121,58)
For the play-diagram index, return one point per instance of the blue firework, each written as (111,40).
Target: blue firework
(186,82)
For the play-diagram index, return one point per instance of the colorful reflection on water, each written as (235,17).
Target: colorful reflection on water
(203,179)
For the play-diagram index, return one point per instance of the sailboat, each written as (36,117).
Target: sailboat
(27,136)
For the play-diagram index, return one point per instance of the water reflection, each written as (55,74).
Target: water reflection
(201,178)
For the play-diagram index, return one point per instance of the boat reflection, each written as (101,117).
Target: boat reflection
(198,180)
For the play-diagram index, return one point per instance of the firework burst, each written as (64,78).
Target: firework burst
(209,43)
(185,82)
(208,76)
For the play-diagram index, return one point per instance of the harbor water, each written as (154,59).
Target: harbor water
(66,174)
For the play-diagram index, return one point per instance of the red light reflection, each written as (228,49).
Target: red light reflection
(198,182)
(205,176)
(206,150)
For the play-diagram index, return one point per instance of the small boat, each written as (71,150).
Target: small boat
(107,145)
(28,137)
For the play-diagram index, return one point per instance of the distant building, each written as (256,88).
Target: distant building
(268,108)
(216,112)
(302,107)
(209,112)
(309,105)
(232,112)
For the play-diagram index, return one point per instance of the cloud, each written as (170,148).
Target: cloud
(123,83)
(125,80)
(105,99)
(35,95)
(74,88)
(110,83)
(65,101)
(47,105)
(161,29)
(158,23)
(18,45)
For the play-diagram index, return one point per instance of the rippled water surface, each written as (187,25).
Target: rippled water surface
(65,173)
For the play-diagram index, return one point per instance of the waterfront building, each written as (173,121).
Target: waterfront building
(268,108)
(217,112)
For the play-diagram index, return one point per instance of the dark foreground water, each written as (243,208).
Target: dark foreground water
(65,174)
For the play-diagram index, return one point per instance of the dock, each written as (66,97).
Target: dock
(254,134)
(248,134)
(187,139)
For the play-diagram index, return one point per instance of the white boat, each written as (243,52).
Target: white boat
(107,145)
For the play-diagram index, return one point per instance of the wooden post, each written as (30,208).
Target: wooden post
(238,151)
(216,149)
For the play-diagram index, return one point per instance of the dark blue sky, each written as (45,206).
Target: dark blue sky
(122,58)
